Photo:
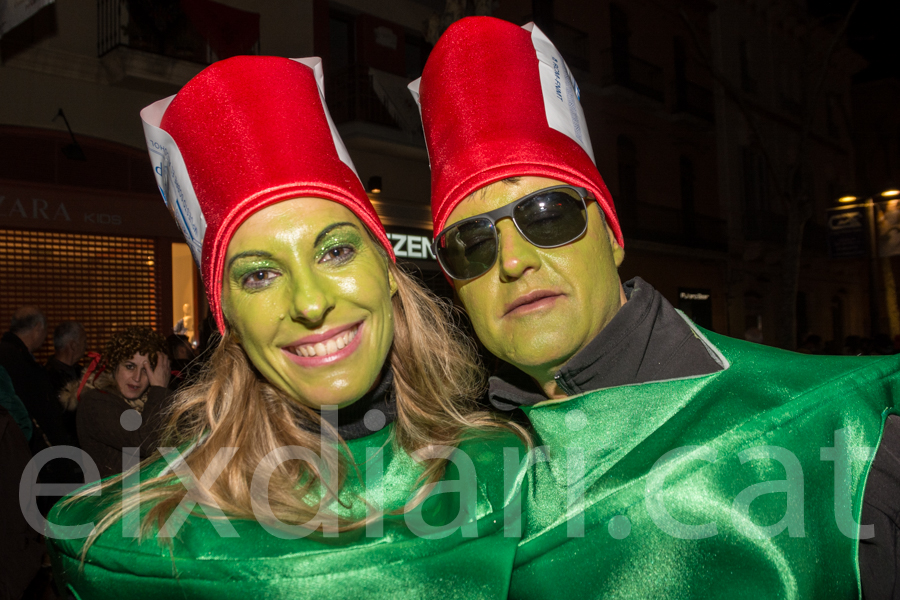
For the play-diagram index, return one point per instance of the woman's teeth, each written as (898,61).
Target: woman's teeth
(330,347)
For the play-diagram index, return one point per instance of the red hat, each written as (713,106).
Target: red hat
(246,133)
(498,101)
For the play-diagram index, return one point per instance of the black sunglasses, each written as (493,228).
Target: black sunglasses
(547,218)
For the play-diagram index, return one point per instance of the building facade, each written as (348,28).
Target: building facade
(689,190)
(785,136)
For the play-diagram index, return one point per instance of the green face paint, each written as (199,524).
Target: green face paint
(309,297)
(537,307)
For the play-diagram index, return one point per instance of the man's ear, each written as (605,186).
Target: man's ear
(617,251)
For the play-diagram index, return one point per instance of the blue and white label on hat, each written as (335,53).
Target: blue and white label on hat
(315,63)
(561,94)
(172,178)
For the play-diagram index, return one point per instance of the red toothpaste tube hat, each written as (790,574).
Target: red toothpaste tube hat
(498,101)
(246,133)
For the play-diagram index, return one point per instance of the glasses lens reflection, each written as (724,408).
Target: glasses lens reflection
(547,218)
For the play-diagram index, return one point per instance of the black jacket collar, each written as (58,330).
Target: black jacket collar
(15,341)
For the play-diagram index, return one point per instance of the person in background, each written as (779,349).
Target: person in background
(69,344)
(27,332)
(122,403)
(182,353)
(812,345)
(179,347)
(21,547)
(13,404)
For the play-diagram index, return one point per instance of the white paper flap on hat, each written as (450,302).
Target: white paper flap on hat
(413,88)
(315,63)
(562,98)
(172,178)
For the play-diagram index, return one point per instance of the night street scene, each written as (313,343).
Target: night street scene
(530,299)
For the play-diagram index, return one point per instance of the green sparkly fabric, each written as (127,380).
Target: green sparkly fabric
(404,562)
(743,500)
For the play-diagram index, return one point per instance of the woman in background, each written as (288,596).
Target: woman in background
(120,405)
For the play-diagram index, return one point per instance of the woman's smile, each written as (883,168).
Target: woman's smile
(325,348)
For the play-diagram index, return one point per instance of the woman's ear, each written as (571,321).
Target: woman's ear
(392,283)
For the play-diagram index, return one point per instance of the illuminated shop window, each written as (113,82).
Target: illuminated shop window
(184,292)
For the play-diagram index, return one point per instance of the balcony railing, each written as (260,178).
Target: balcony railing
(764,226)
(669,225)
(768,226)
(199,31)
(351,96)
(621,68)
(694,99)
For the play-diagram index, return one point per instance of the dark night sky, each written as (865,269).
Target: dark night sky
(872,32)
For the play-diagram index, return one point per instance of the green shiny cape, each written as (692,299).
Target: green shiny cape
(693,526)
(405,561)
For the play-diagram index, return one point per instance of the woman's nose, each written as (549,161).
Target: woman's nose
(311,300)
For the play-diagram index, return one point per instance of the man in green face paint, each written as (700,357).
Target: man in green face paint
(676,463)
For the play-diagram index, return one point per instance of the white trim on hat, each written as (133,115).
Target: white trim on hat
(172,178)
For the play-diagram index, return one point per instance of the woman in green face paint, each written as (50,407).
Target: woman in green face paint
(303,462)
(308,294)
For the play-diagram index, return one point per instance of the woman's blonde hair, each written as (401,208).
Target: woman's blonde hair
(437,379)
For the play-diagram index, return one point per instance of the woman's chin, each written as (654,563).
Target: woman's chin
(330,401)
(337,385)
(318,397)
(132,394)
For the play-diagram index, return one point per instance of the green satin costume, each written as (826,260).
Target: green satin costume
(762,398)
(473,561)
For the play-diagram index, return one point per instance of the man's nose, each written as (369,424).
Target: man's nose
(516,254)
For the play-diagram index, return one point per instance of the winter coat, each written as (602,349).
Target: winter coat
(22,548)
(11,402)
(32,385)
(101,430)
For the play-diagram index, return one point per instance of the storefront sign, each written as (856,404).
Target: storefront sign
(887,219)
(59,209)
(847,232)
(411,246)
(697,305)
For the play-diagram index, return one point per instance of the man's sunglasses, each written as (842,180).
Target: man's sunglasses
(547,218)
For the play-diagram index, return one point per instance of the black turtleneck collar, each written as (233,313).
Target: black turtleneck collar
(371,413)
(646,341)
